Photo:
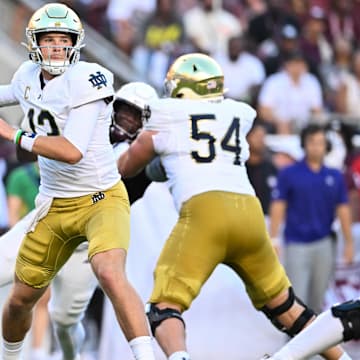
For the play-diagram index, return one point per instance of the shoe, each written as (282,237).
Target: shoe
(266,357)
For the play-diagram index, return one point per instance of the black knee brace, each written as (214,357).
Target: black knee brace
(298,324)
(156,316)
(349,314)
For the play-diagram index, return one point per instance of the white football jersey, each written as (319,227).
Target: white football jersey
(202,145)
(46,112)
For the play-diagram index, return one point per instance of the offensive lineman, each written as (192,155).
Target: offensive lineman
(340,323)
(201,140)
(68,106)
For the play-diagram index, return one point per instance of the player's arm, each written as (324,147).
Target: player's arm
(7,96)
(277,216)
(68,148)
(344,214)
(54,147)
(138,155)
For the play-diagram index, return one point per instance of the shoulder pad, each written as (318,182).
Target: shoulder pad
(89,82)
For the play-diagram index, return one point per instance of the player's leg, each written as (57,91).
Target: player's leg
(108,232)
(196,245)
(72,289)
(41,255)
(264,277)
(9,247)
(9,244)
(40,327)
(17,318)
(340,323)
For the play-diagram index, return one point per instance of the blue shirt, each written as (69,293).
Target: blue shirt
(312,199)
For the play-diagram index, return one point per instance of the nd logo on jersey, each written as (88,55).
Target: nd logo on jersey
(98,79)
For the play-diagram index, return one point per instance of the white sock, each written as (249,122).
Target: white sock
(324,332)
(179,355)
(12,350)
(345,356)
(71,339)
(142,348)
(38,354)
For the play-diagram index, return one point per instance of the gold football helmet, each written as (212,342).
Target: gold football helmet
(194,76)
(54,17)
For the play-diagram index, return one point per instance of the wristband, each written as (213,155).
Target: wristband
(17,136)
(27,140)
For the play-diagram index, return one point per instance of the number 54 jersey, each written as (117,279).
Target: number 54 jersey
(202,145)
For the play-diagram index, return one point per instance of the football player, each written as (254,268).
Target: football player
(201,140)
(74,285)
(67,104)
(333,326)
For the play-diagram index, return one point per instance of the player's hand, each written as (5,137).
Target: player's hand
(6,131)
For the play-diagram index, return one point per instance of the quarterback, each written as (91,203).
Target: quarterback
(201,140)
(67,107)
(74,285)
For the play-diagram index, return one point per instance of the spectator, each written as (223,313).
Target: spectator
(264,29)
(238,63)
(317,50)
(25,177)
(342,21)
(307,198)
(209,26)
(162,36)
(125,18)
(260,168)
(288,43)
(291,96)
(348,92)
(333,74)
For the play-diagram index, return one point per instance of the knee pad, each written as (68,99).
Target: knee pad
(298,324)
(349,314)
(156,316)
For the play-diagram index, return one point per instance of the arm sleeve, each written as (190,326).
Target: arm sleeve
(7,96)
(81,124)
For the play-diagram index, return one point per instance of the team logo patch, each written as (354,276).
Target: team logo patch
(97,197)
(98,80)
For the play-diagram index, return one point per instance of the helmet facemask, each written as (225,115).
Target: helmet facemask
(126,121)
(131,109)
